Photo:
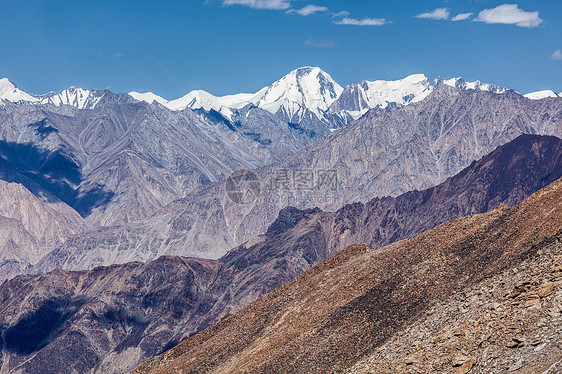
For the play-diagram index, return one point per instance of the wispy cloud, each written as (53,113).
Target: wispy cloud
(308,10)
(119,54)
(343,13)
(439,14)
(462,16)
(341,16)
(326,43)
(362,22)
(557,55)
(510,14)
(261,4)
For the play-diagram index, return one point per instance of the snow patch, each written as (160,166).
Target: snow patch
(148,97)
(541,95)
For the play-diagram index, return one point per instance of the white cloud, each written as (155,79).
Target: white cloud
(461,16)
(308,10)
(362,22)
(343,13)
(261,4)
(557,55)
(439,13)
(324,43)
(510,14)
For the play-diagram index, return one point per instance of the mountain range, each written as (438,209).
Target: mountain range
(140,175)
(129,223)
(117,316)
(304,92)
(428,142)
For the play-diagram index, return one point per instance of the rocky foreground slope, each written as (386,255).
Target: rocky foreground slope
(348,309)
(118,316)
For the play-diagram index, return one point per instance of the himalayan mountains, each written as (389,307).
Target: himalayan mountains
(128,179)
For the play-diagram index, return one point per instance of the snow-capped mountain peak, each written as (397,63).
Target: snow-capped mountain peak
(198,99)
(303,88)
(476,85)
(10,92)
(74,96)
(148,97)
(357,99)
(306,88)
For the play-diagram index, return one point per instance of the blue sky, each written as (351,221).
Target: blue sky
(230,46)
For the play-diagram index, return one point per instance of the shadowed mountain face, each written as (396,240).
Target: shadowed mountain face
(384,153)
(107,319)
(351,306)
(132,312)
(51,175)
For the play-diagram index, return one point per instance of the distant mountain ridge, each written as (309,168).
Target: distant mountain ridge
(305,91)
(309,90)
(148,180)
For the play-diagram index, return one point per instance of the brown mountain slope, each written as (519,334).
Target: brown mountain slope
(511,321)
(344,308)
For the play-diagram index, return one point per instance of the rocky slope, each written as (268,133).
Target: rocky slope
(30,228)
(353,304)
(425,143)
(123,314)
(510,322)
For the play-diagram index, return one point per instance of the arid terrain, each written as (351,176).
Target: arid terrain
(347,312)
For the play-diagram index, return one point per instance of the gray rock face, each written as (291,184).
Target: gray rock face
(385,153)
(115,160)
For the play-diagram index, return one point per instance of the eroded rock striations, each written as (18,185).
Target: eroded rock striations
(30,228)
